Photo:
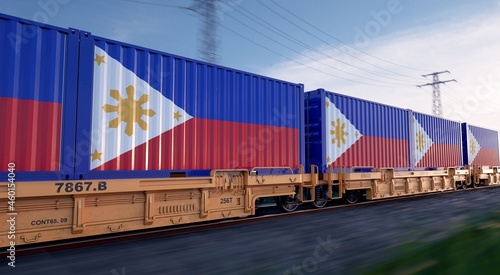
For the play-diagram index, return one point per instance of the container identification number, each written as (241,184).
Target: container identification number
(226,200)
(48,221)
(69,187)
(366,175)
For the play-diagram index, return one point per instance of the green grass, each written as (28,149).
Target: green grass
(473,250)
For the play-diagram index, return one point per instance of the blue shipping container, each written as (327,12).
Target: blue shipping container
(38,80)
(480,146)
(348,131)
(141,113)
(144,110)
(436,142)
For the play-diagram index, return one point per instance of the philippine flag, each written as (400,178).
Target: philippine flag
(423,142)
(474,146)
(127,112)
(482,146)
(436,142)
(340,133)
(186,116)
(359,133)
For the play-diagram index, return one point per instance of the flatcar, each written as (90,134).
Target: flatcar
(102,136)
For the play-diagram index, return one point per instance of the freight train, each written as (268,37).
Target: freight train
(101,136)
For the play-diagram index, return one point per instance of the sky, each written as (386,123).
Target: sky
(372,49)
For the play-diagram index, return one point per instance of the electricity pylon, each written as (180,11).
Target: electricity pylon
(437,107)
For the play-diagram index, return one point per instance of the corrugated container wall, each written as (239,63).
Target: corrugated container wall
(436,142)
(147,110)
(480,146)
(352,132)
(37,75)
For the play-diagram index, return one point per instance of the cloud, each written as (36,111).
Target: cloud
(468,49)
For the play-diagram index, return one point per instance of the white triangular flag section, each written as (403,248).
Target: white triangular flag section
(422,141)
(474,147)
(127,111)
(340,133)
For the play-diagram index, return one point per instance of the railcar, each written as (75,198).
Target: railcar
(103,136)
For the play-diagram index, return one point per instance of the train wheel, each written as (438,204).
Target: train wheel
(287,203)
(464,185)
(320,203)
(258,202)
(352,196)
(473,184)
(321,197)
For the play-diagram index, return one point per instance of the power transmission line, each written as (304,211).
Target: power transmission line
(313,59)
(297,62)
(154,4)
(485,106)
(340,41)
(281,33)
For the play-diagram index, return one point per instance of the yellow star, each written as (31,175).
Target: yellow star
(357,134)
(96,155)
(177,115)
(99,59)
(327,104)
(328,159)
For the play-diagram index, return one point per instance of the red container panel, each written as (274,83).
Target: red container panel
(32,142)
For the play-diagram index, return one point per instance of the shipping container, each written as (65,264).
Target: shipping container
(38,73)
(348,131)
(79,106)
(143,110)
(480,146)
(436,142)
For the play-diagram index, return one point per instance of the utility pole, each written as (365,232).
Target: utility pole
(208,41)
(437,108)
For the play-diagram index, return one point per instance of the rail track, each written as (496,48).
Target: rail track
(263,215)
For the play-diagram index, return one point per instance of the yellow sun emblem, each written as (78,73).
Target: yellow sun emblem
(338,132)
(129,110)
(472,146)
(420,141)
